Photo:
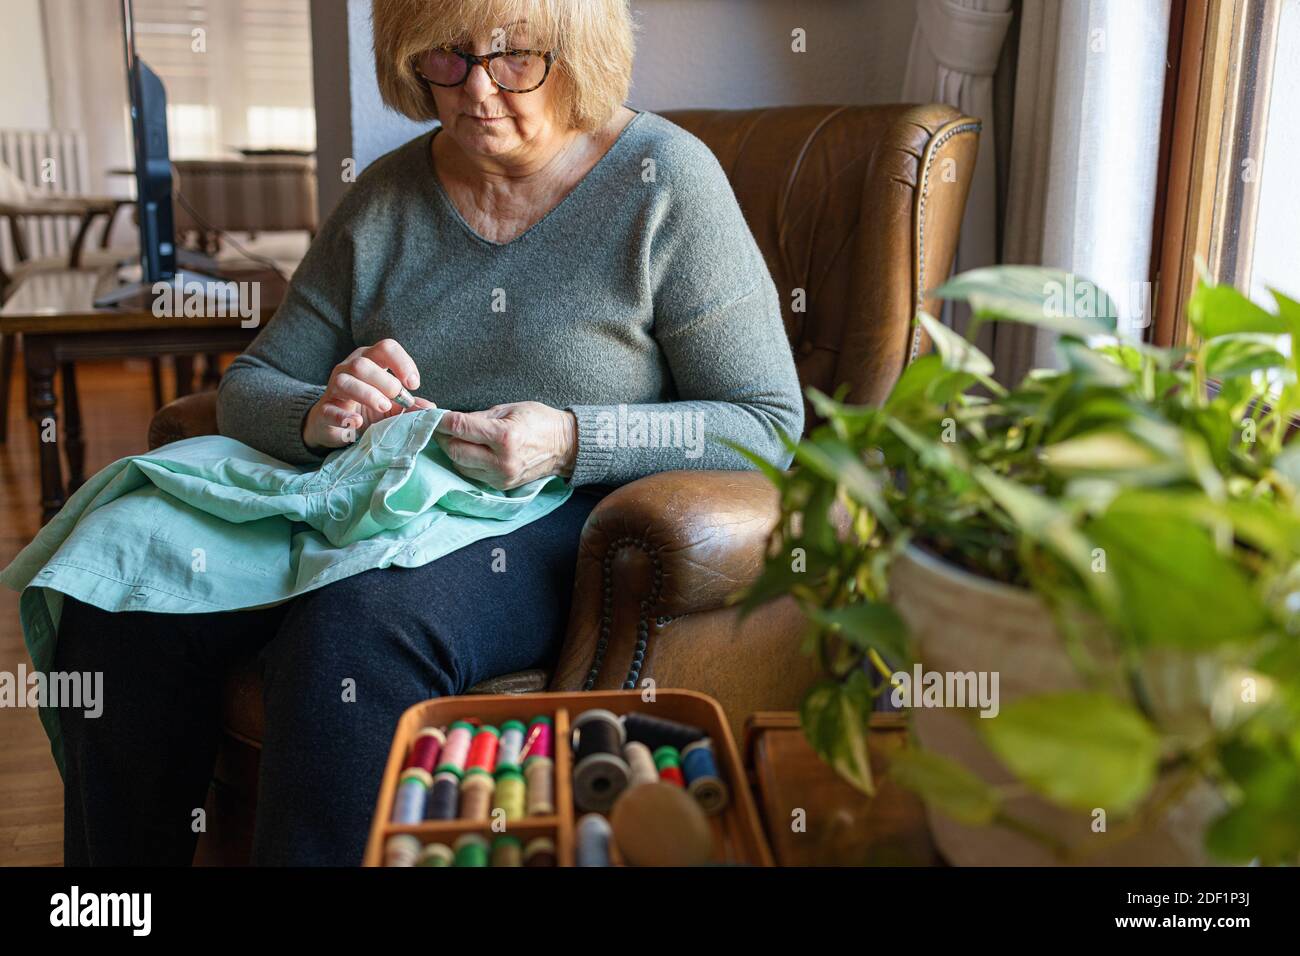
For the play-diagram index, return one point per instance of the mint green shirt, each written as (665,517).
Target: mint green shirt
(210,524)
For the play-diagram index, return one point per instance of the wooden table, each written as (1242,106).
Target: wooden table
(814,818)
(55,314)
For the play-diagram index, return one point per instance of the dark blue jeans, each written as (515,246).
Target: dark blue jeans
(341,664)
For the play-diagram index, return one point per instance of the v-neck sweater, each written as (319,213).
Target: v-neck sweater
(641,302)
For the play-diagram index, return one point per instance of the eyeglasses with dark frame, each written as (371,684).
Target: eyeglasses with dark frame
(511,70)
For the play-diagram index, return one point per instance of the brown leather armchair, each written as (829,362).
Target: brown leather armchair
(857,206)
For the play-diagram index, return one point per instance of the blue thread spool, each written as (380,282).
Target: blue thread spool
(444,798)
(702,778)
(594,834)
(512,744)
(412,793)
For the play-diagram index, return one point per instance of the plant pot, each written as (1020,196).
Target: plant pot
(961,622)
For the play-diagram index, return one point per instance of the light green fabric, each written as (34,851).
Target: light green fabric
(210,524)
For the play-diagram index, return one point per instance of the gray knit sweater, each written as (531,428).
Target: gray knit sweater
(641,302)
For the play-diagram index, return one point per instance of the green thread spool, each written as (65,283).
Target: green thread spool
(667,756)
(471,850)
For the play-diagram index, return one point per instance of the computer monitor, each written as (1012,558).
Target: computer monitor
(153,175)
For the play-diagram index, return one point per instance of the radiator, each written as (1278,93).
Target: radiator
(35,156)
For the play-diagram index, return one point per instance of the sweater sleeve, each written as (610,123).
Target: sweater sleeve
(719,328)
(267,391)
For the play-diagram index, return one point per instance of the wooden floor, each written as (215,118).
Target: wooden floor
(116,407)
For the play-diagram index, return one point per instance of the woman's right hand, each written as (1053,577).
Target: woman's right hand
(359,393)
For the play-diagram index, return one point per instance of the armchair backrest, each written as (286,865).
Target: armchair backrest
(857,210)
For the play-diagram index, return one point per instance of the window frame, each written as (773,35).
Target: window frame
(1215,118)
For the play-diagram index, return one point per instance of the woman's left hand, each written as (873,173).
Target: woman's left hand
(510,445)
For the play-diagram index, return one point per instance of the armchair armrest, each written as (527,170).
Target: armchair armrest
(668,545)
(704,532)
(186,417)
(63,206)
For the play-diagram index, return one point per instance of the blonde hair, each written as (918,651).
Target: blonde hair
(591,40)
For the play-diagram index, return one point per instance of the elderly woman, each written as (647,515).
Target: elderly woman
(548,263)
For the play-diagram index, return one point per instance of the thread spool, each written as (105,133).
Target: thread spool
(656,732)
(483,749)
(427,746)
(412,794)
(456,750)
(703,781)
(511,794)
(538,743)
(593,838)
(471,850)
(641,763)
(476,795)
(403,849)
(539,776)
(512,744)
(444,798)
(540,852)
(669,764)
(507,851)
(436,854)
(600,773)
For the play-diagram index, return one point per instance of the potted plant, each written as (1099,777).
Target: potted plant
(1104,561)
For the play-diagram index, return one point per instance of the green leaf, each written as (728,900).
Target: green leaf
(853,417)
(871,626)
(1248,832)
(835,720)
(1289,309)
(916,382)
(1265,824)
(946,785)
(1094,366)
(1216,310)
(1105,450)
(775,475)
(1046,298)
(958,355)
(1176,586)
(836,462)
(1047,524)
(1230,356)
(1079,749)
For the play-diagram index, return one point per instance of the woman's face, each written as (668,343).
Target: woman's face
(489,122)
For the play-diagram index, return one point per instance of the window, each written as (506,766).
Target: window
(237,72)
(1230,199)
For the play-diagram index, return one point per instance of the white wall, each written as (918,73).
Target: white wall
(733,54)
(1276,260)
(707,53)
(24,79)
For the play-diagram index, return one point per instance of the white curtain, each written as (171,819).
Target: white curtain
(1084,147)
(954,54)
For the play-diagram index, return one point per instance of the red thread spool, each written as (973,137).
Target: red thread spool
(483,749)
(672,775)
(424,752)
